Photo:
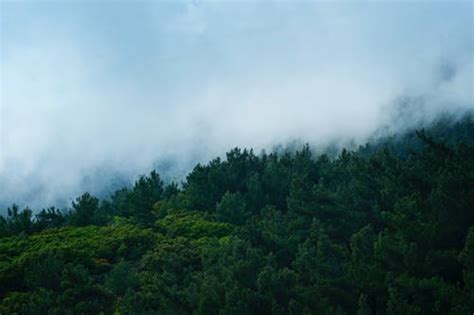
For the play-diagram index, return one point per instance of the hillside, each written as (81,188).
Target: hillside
(385,229)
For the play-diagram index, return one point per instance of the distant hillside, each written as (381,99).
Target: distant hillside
(446,129)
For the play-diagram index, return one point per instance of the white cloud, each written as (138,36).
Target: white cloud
(93,92)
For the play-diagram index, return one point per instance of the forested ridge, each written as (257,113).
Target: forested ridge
(387,228)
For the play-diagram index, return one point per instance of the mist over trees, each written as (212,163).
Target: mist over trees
(98,92)
(387,228)
(236,157)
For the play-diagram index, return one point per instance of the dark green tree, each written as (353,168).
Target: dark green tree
(83,210)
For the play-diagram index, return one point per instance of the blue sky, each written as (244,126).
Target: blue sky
(122,85)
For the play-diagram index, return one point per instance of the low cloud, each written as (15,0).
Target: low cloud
(92,95)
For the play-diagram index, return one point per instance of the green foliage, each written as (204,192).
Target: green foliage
(138,202)
(386,229)
(18,221)
(123,277)
(84,209)
(232,209)
(192,225)
(49,218)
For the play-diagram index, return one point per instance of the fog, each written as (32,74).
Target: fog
(95,93)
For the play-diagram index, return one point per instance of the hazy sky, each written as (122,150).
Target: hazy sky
(96,89)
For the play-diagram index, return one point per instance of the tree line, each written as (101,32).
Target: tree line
(387,228)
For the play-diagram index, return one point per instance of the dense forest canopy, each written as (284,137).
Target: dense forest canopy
(384,229)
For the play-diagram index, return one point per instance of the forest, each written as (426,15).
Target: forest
(384,228)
